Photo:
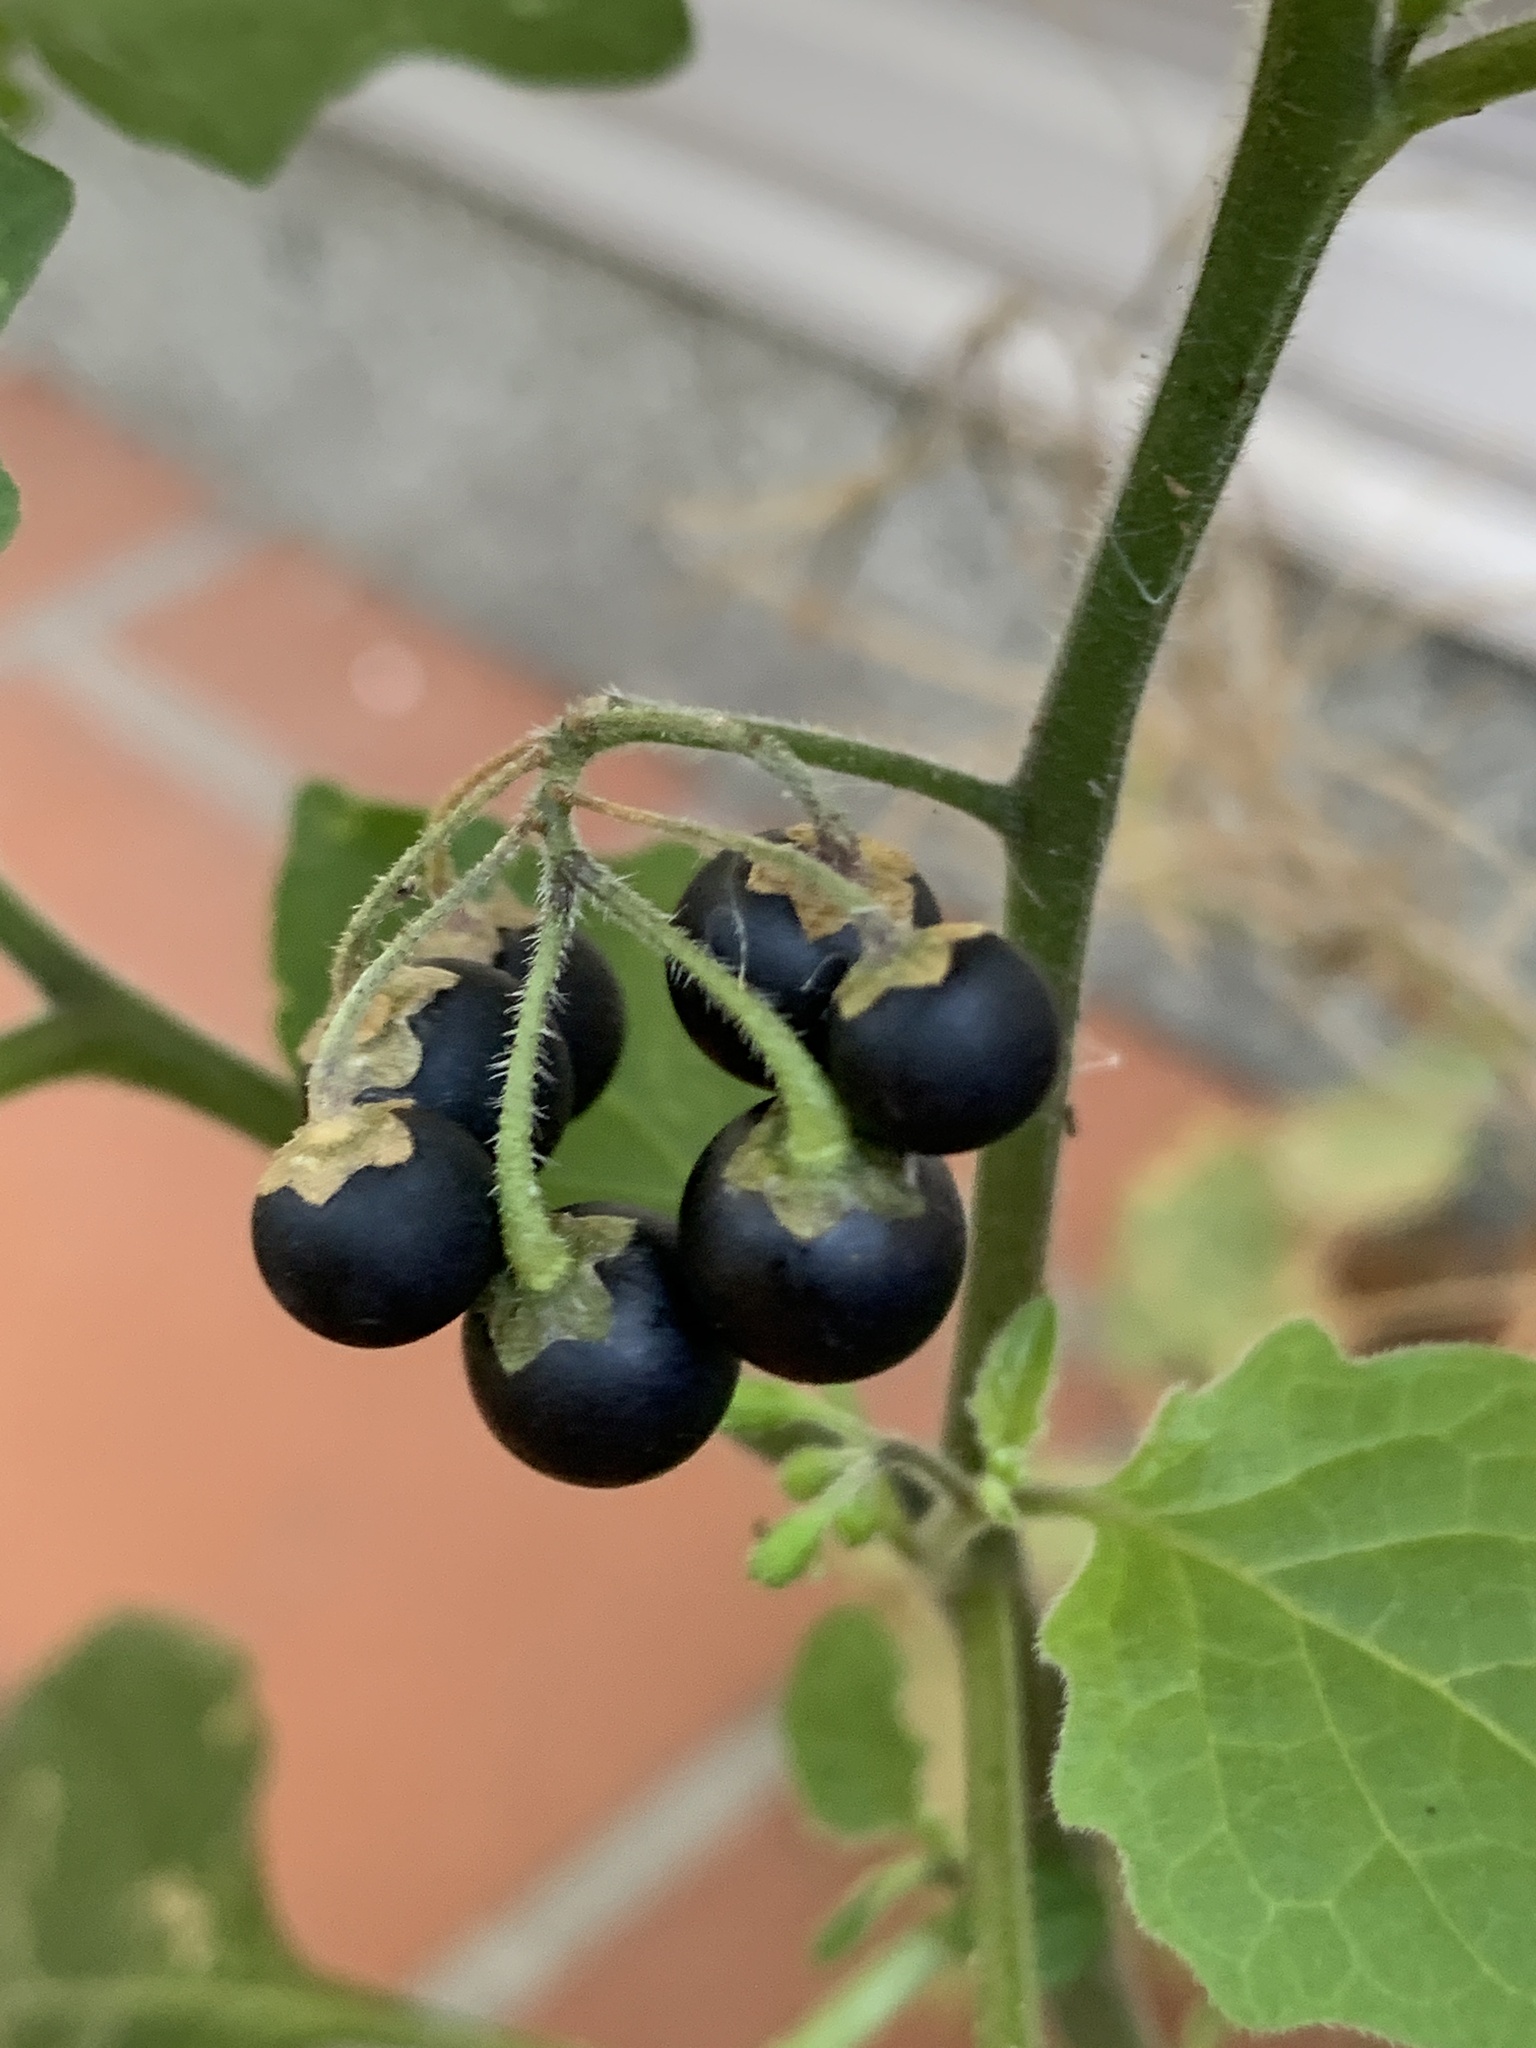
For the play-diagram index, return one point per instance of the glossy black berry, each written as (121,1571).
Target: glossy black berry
(378,1253)
(588,1007)
(759,936)
(952,1066)
(856,1296)
(465,1034)
(625,1406)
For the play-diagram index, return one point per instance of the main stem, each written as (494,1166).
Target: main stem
(1306,144)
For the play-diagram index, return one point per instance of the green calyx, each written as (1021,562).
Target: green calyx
(808,1205)
(577,1309)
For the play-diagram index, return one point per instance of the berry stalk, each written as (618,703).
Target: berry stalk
(814,874)
(535,1251)
(816,1139)
(327,1096)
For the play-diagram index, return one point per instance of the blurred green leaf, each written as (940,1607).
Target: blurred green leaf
(1014,1376)
(132,1910)
(35,204)
(639,1141)
(1301,1666)
(1070,1921)
(867,1904)
(1200,1266)
(855,1760)
(237,82)
(338,846)
(1364,1155)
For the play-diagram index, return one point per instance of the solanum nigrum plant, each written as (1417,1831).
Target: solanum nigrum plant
(1282,1714)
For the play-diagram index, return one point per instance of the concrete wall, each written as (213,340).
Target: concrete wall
(496,423)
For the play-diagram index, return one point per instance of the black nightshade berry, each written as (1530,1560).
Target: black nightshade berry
(820,1297)
(588,1007)
(759,935)
(616,1408)
(379,1226)
(954,1065)
(465,1034)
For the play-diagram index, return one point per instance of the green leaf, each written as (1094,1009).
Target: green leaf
(1005,1404)
(1301,1667)
(131,1907)
(35,204)
(1070,1922)
(639,1141)
(1364,1155)
(338,846)
(869,1901)
(1200,1264)
(855,1760)
(237,82)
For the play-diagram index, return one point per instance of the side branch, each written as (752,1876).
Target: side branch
(1462,81)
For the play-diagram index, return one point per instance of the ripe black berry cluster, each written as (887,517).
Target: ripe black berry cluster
(937,1039)
(378,1223)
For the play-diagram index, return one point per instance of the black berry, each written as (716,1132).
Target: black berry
(379,1226)
(759,935)
(622,1406)
(953,1065)
(816,1291)
(588,1007)
(465,1034)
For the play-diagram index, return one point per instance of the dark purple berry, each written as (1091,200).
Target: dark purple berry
(613,1409)
(588,1007)
(465,1034)
(951,1066)
(379,1226)
(759,936)
(816,1296)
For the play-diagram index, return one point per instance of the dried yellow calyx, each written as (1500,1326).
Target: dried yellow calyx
(320,1158)
(922,959)
(885,874)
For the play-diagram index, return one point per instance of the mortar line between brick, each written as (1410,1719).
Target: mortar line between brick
(110,596)
(502,1968)
(67,640)
(148,717)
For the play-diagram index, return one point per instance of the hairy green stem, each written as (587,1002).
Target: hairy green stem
(816,876)
(100,1026)
(1460,81)
(864,2004)
(617,722)
(1009,2008)
(461,808)
(328,1093)
(535,1251)
(816,1137)
(1313,114)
